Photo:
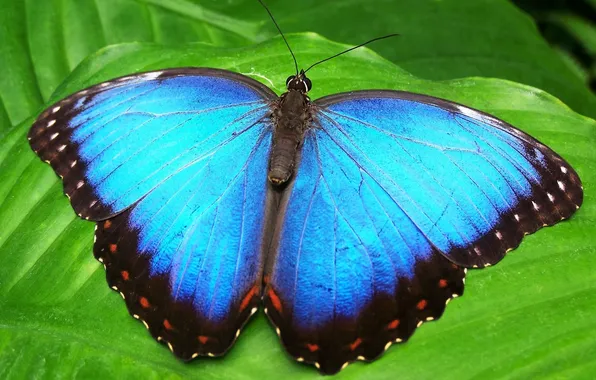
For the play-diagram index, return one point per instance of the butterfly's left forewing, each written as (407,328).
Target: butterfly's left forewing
(114,142)
(394,194)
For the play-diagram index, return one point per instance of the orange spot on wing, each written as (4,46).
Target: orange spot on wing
(113,248)
(167,324)
(355,344)
(107,224)
(312,347)
(125,275)
(393,324)
(144,302)
(203,339)
(421,305)
(274,300)
(442,283)
(248,297)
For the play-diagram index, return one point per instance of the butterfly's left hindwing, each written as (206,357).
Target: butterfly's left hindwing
(187,256)
(394,194)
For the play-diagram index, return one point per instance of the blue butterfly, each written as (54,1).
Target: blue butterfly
(350,218)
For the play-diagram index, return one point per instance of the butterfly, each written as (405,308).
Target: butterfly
(349,219)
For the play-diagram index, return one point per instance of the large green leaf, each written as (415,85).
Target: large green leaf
(529,316)
(42,41)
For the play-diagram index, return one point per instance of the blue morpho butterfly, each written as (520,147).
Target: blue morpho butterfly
(350,218)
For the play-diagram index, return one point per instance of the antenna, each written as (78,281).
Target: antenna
(282,35)
(350,49)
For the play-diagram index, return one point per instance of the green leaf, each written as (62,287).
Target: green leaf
(573,63)
(583,30)
(529,316)
(41,42)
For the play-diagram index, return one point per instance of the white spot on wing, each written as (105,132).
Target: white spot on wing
(153,75)
(563,170)
(550,197)
(468,112)
(536,207)
(516,217)
(498,235)
(80,184)
(51,122)
(561,185)
(72,164)
(52,137)
(61,148)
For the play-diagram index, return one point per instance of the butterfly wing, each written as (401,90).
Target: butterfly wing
(174,166)
(114,142)
(393,194)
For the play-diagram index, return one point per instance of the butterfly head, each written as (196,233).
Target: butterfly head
(299,83)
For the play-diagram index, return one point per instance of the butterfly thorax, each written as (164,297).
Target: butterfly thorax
(291,117)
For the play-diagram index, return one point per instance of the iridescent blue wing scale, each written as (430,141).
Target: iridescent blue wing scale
(172,165)
(394,194)
(114,142)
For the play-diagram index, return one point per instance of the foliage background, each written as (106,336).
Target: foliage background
(530,315)
(570,27)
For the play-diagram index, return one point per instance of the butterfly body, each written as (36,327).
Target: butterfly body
(291,118)
(350,218)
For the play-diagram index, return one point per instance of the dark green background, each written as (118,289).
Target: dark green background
(530,316)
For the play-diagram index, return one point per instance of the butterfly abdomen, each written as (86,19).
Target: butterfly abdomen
(291,118)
